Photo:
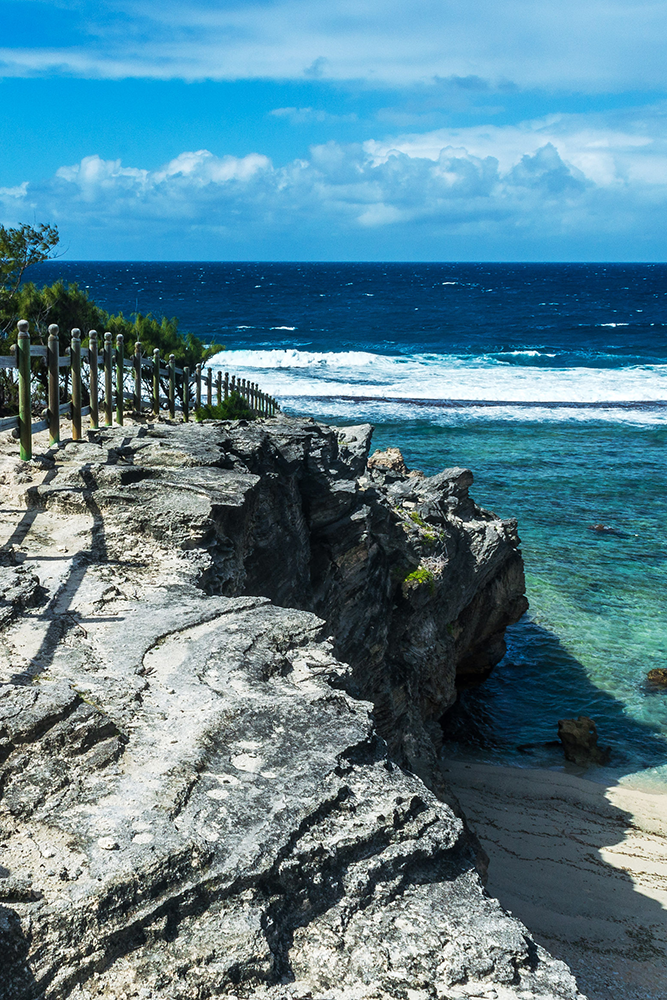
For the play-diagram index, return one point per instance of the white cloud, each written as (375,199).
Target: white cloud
(608,149)
(306,116)
(568,177)
(598,45)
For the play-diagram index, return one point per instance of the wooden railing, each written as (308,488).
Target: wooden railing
(172,389)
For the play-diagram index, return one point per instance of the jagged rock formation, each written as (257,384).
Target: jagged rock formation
(196,800)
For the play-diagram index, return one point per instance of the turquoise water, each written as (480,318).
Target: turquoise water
(549,381)
(596,623)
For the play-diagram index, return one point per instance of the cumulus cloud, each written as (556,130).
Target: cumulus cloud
(565,44)
(565,175)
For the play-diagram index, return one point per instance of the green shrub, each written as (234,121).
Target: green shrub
(427,533)
(234,407)
(420,577)
(70,306)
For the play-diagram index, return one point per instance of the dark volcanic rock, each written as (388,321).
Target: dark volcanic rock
(195,801)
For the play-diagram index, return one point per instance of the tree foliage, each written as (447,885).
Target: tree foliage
(20,247)
(70,306)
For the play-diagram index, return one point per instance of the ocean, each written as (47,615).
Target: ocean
(550,382)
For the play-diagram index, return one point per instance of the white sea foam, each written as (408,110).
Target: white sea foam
(525,354)
(289,358)
(425,379)
(391,411)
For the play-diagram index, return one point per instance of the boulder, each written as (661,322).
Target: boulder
(579,738)
(390,459)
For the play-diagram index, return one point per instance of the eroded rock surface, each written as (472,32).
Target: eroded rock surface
(196,800)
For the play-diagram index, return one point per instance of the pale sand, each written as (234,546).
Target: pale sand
(583,865)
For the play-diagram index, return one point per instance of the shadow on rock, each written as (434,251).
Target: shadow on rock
(16,979)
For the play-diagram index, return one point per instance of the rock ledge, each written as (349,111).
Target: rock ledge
(218,722)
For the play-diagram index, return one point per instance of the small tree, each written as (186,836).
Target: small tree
(21,247)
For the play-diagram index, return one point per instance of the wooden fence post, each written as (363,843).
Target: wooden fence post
(108,379)
(93,384)
(226,384)
(186,394)
(137,378)
(197,386)
(156,381)
(120,380)
(53,365)
(218,386)
(75,363)
(25,409)
(209,387)
(232,385)
(172,386)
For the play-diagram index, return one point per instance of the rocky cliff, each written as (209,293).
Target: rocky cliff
(226,651)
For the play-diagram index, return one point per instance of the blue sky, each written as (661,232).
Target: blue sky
(305,129)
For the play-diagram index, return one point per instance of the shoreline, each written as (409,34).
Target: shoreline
(582,864)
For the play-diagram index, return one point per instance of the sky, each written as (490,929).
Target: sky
(337,129)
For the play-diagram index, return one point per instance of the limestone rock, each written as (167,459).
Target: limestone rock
(196,801)
(391,459)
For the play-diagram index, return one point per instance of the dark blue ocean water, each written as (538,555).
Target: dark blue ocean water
(549,381)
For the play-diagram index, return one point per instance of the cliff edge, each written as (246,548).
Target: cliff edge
(226,649)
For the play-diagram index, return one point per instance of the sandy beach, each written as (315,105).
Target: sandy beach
(583,865)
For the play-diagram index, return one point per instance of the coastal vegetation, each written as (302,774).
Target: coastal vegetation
(235,407)
(421,577)
(70,306)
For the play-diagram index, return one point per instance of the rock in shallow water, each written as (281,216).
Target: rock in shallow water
(580,742)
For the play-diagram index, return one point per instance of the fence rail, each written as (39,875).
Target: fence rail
(172,389)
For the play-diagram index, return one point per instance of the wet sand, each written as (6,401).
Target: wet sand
(583,865)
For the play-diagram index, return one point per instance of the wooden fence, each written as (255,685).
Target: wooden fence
(172,389)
